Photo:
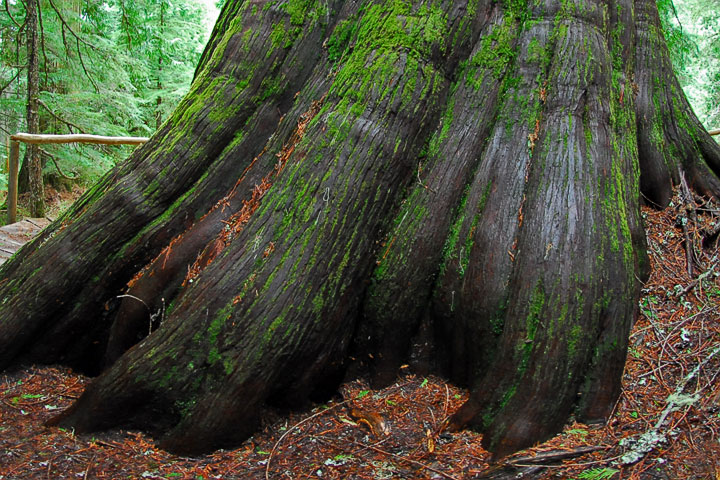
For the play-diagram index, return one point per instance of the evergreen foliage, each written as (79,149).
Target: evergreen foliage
(106,67)
(692,31)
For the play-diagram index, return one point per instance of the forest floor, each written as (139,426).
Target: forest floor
(666,425)
(56,202)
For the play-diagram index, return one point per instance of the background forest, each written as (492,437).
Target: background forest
(692,30)
(119,68)
(113,67)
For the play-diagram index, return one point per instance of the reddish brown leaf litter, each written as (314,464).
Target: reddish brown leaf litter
(670,403)
(336,440)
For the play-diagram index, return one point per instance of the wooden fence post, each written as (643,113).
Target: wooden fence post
(13,180)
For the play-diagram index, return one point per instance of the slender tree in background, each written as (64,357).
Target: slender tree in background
(158,37)
(32,154)
(352,185)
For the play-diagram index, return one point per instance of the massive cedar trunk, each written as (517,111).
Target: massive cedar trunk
(452,183)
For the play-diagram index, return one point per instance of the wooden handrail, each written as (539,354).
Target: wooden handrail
(97,139)
(14,162)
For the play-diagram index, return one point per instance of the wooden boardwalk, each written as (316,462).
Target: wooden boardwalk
(15,235)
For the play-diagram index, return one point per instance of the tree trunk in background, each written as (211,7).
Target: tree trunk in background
(448,183)
(159,99)
(33,162)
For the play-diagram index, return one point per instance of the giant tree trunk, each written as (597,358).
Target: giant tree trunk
(352,180)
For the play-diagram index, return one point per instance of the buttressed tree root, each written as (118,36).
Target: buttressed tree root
(448,183)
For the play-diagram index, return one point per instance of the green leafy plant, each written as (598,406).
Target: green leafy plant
(31,396)
(598,473)
(578,431)
(647,307)
(692,30)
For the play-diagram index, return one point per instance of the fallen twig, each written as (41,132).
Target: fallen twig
(643,444)
(554,456)
(689,203)
(699,279)
(282,437)
(404,459)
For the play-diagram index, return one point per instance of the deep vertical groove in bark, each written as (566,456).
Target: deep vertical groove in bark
(347,178)
(558,300)
(471,295)
(602,382)
(410,256)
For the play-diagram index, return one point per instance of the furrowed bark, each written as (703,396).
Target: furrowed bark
(125,221)
(552,304)
(412,253)
(349,179)
(470,297)
(602,382)
(156,286)
(272,316)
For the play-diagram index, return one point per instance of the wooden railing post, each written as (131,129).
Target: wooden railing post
(13,180)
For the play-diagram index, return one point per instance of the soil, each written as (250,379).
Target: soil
(666,425)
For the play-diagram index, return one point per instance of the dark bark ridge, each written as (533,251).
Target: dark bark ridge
(452,183)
